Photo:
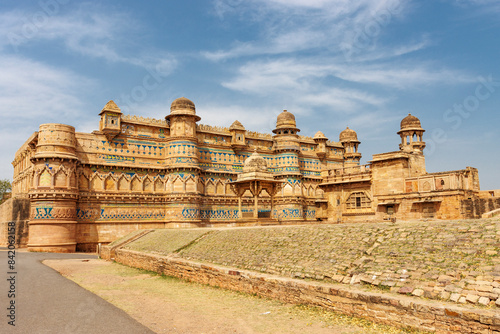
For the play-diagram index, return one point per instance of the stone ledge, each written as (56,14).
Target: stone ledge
(491,214)
(394,310)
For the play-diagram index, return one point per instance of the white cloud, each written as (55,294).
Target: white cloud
(253,118)
(277,61)
(85,31)
(32,94)
(299,76)
(298,40)
(341,99)
(403,75)
(37,90)
(291,26)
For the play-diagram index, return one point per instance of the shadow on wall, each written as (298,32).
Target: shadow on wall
(14,217)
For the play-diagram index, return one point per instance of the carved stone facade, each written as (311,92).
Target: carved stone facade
(91,188)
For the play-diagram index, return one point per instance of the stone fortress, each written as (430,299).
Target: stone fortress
(86,189)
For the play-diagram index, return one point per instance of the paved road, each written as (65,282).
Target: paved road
(46,302)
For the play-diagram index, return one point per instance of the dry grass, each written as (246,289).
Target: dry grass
(171,305)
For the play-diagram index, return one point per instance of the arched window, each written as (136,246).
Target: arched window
(358,200)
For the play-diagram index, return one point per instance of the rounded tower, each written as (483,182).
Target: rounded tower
(287,144)
(182,162)
(287,168)
(182,147)
(286,132)
(53,196)
(349,139)
(411,134)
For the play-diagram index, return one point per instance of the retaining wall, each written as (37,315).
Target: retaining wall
(396,310)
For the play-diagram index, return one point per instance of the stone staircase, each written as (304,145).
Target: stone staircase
(491,214)
(109,252)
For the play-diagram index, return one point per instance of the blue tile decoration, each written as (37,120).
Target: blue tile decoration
(43,213)
(288,213)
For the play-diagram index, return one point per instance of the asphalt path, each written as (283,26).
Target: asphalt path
(46,302)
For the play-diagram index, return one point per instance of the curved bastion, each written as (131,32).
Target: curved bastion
(53,222)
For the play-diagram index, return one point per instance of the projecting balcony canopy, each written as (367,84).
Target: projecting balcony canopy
(321,200)
(389,203)
(428,201)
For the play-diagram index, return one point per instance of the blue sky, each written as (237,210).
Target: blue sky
(333,63)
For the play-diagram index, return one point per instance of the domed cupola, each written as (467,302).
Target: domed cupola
(348,135)
(183,106)
(255,163)
(349,139)
(285,124)
(319,136)
(411,134)
(410,122)
(182,119)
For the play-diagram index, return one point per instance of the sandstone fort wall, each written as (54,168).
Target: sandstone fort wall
(87,189)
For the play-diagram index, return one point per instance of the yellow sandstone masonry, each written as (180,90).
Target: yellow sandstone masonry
(87,189)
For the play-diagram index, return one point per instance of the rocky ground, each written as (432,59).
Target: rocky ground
(455,261)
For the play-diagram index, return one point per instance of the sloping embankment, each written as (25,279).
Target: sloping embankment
(451,261)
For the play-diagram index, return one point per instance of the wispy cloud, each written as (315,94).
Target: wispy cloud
(291,26)
(488,4)
(85,31)
(36,90)
(299,54)
(304,80)
(34,93)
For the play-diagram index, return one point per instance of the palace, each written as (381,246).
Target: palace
(86,189)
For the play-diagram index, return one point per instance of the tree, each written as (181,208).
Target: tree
(5,188)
